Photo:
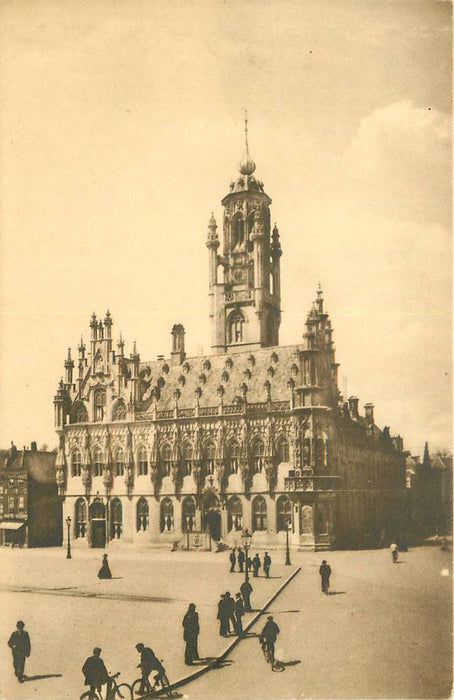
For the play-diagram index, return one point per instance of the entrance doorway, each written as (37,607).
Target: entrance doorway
(212,516)
(98,524)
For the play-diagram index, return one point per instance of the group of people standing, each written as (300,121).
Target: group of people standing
(230,613)
(237,555)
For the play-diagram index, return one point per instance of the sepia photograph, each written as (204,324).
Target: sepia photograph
(226,349)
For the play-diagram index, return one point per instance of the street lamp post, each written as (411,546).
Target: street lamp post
(246,538)
(68,551)
(287,550)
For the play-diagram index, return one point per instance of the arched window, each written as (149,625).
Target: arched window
(98,466)
(166,458)
(142,462)
(258,514)
(235,515)
(100,405)
(76,463)
(79,413)
(236,327)
(233,457)
(116,519)
(119,462)
(188,515)
(186,456)
(210,457)
(142,514)
(166,515)
(237,236)
(282,450)
(80,518)
(283,513)
(119,412)
(258,451)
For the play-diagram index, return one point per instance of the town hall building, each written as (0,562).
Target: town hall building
(254,436)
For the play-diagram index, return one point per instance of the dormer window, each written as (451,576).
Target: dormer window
(251,360)
(229,363)
(294,370)
(270,371)
(225,377)
(202,379)
(274,358)
(247,374)
(181,380)
(207,366)
(165,368)
(186,367)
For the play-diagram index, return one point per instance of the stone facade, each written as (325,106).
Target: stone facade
(253,436)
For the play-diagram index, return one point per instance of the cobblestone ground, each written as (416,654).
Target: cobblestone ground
(386,633)
(68,610)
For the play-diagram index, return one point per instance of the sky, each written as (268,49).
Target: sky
(121,129)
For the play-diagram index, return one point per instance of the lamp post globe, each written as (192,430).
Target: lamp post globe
(68,550)
(246,539)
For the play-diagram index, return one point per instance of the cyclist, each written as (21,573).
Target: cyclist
(148,662)
(96,674)
(268,637)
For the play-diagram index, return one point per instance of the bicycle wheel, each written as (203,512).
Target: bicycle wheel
(86,696)
(123,690)
(136,687)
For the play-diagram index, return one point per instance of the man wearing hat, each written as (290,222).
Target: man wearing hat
(96,674)
(19,643)
(325,573)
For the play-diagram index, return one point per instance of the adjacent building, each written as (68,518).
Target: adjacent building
(30,508)
(252,436)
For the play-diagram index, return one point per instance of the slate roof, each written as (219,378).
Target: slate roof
(40,465)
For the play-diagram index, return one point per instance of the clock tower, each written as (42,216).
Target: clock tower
(244,281)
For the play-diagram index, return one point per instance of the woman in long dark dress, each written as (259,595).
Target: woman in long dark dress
(104,571)
(190,635)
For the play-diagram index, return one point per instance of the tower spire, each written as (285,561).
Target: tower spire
(247,165)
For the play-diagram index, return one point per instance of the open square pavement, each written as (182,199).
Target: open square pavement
(384,633)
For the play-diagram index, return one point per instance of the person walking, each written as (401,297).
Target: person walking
(19,643)
(240,557)
(96,674)
(232,558)
(394,552)
(246,590)
(256,565)
(268,636)
(230,608)
(223,617)
(239,612)
(325,573)
(104,571)
(267,564)
(190,635)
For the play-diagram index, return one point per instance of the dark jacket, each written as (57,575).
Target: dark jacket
(239,608)
(232,557)
(325,571)
(190,625)
(241,557)
(149,661)
(266,561)
(19,642)
(223,612)
(245,588)
(270,631)
(230,606)
(94,671)
(256,563)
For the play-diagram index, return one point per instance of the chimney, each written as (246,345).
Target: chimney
(369,412)
(178,354)
(353,406)
(33,446)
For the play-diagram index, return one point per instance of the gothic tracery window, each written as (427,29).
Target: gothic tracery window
(235,515)
(100,405)
(76,463)
(236,327)
(116,519)
(259,519)
(98,466)
(142,515)
(188,515)
(80,519)
(233,457)
(119,462)
(187,459)
(258,451)
(119,412)
(283,513)
(166,457)
(142,462)
(210,457)
(166,515)
(282,450)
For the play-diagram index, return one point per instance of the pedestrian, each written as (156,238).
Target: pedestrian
(104,571)
(268,636)
(190,635)
(223,617)
(230,608)
(19,643)
(267,564)
(256,565)
(148,662)
(246,590)
(239,612)
(394,552)
(249,564)
(240,557)
(96,674)
(232,558)
(325,573)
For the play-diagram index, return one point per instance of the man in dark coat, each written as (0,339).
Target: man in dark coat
(19,643)
(148,662)
(325,573)
(223,617)
(256,565)
(269,635)
(230,608)
(190,635)
(246,590)
(96,674)
(240,557)
(266,564)
(232,558)
(239,612)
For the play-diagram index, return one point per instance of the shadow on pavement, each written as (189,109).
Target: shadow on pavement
(38,678)
(280,612)
(295,662)
(336,592)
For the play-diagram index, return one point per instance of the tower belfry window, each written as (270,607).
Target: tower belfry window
(236,328)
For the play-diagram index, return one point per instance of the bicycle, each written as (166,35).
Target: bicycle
(163,682)
(118,691)
(268,653)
